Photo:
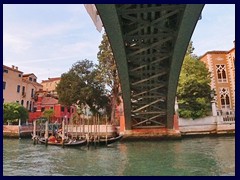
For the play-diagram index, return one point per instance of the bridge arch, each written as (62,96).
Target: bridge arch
(149,42)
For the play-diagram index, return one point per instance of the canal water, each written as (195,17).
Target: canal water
(212,156)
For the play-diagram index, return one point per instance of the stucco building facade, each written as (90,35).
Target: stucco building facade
(50,84)
(19,87)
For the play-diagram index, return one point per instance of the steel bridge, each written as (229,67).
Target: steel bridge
(149,42)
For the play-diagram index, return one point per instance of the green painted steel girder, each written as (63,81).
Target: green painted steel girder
(189,20)
(149,42)
(109,16)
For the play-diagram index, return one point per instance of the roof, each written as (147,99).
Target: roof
(214,52)
(27,75)
(51,79)
(32,82)
(12,69)
(49,101)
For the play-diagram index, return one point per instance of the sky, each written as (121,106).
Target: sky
(47,39)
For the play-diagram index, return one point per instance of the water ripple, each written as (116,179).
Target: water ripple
(187,157)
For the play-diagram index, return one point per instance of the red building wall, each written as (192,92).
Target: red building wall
(58,113)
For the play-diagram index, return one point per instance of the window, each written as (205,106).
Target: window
(30,78)
(225,99)
(22,102)
(5,70)
(68,110)
(19,75)
(18,88)
(4,85)
(23,91)
(34,109)
(30,106)
(62,109)
(42,109)
(32,93)
(34,80)
(17,102)
(221,73)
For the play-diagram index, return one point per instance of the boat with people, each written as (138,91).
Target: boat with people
(61,135)
(66,142)
(77,142)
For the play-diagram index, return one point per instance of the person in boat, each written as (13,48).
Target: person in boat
(72,140)
(52,139)
(59,130)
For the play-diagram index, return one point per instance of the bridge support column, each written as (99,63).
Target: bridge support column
(175,122)
(122,124)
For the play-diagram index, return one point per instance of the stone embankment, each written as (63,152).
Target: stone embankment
(15,131)
(212,125)
(208,125)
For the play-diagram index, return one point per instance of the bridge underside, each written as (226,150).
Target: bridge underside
(149,42)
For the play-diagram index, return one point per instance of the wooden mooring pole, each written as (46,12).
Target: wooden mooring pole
(34,131)
(46,132)
(106,131)
(63,132)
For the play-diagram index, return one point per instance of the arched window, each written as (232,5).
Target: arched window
(225,99)
(221,73)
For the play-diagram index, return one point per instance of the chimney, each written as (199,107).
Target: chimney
(16,68)
(13,66)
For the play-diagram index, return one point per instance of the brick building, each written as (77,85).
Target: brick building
(221,64)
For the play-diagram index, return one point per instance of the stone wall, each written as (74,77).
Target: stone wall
(207,125)
(10,130)
(15,131)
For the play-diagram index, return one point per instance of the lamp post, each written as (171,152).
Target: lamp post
(214,109)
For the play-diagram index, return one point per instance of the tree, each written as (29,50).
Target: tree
(193,92)
(12,112)
(81,85)
(109,73)
(48,113)
(190,48)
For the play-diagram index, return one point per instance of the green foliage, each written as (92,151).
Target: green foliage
(81,85)
(107,65)
(190,48)
(108,72)
(14,111)
(193,90)
(48,113)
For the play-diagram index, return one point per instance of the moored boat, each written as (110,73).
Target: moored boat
(68,142)
(107,141)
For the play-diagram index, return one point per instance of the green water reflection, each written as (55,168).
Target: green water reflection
(186,157)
